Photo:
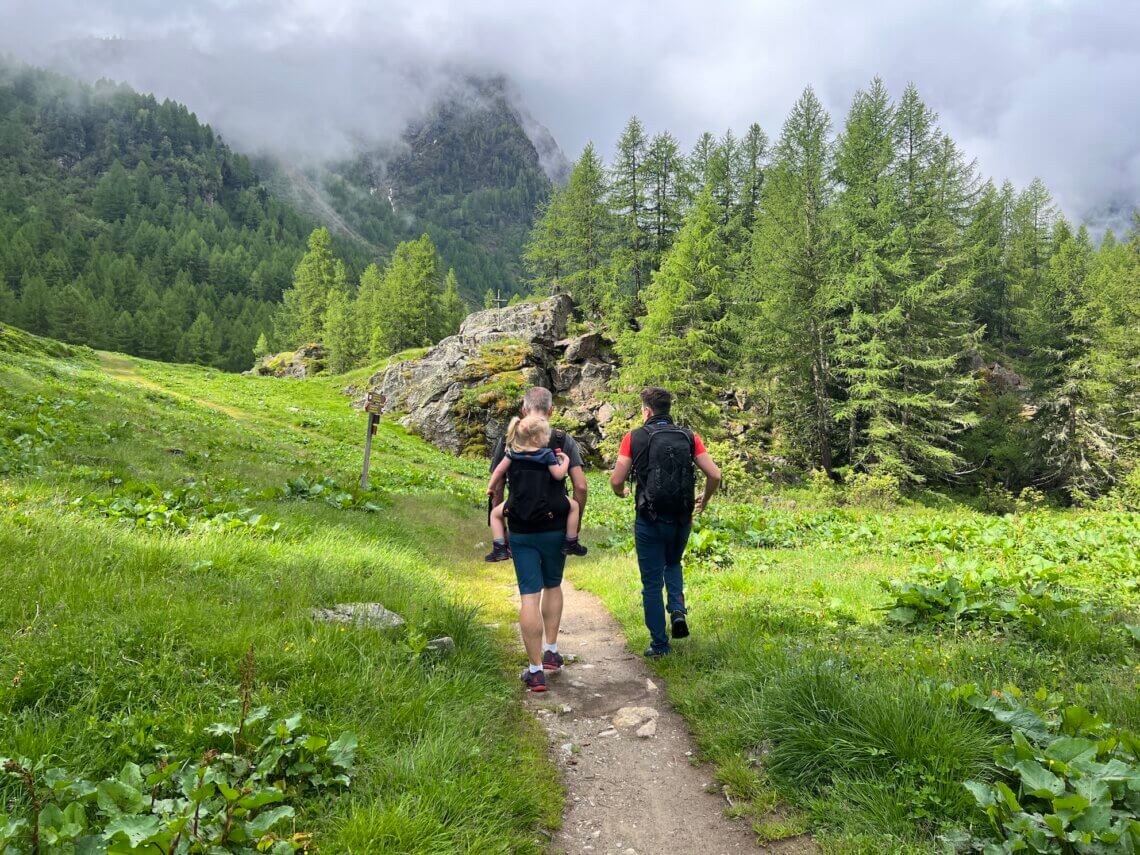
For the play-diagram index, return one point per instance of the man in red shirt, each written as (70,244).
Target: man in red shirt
(661,457)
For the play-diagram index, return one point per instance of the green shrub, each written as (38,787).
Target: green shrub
(880,490)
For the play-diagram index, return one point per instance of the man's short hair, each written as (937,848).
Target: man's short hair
(658,400)
(538,400)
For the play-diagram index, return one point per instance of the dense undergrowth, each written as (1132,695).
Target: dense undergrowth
(156,524)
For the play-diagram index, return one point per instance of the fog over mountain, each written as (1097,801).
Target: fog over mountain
(1028,87)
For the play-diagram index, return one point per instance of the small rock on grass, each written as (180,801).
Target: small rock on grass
(442,646)
(361,614)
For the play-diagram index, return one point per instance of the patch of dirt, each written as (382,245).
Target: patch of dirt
(629,794)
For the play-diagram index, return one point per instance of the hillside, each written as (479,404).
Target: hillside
(471,173)
(159,521)
(125,223)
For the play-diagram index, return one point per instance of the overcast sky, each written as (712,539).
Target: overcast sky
(1029,87)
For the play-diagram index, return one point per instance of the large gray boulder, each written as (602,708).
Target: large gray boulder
(462,393)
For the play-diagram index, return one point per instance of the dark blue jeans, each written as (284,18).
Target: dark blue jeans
(660,545)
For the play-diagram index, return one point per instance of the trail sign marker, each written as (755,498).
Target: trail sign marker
(373,406)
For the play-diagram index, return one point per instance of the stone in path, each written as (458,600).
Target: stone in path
(626,754)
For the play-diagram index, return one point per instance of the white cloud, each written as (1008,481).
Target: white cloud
(1030,87)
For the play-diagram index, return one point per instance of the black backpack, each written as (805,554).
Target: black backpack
(533,496)
(666,477)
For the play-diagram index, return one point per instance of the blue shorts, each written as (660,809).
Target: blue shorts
(538,558)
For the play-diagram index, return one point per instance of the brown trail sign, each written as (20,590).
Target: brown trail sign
(373,406)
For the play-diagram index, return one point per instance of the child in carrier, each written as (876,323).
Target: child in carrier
(528,446)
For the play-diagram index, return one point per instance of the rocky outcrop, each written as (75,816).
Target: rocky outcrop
(462,393)
(307,361)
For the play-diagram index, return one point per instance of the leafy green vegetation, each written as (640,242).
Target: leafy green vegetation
(231,800)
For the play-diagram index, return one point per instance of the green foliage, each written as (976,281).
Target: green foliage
(231,800)
(184,508)
(1071,782)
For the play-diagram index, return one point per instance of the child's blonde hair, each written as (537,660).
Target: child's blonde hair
(528,433)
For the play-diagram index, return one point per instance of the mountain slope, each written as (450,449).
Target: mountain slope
(470,173)
(125,223)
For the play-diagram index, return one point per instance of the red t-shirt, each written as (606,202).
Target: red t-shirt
(624,450)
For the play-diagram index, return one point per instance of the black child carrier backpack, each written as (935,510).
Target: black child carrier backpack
(666,475)
(533,496)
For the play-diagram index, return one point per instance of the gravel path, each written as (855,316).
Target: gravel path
(626,754)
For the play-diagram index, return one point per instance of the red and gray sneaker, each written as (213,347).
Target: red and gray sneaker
(535,681)
(499,552)
(552,661)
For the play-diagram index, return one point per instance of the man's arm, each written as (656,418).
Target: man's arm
(712,479)
(620,475)
(578,482)
(497,458)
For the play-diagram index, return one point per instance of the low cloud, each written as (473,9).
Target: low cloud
(1029,87)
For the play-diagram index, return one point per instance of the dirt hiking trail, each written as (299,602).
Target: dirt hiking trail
(626,754)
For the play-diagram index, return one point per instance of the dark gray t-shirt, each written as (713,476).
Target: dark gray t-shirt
(570,446)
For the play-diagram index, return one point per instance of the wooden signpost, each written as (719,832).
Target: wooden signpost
(373,406)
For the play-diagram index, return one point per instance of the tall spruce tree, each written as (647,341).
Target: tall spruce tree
(628,201)
(936,188)
(589,233)
(788,285)
(683,342)
(452,309)
(667,182)
(546,250)
(341,333)
(1073,417)
(869,279)
(318,272)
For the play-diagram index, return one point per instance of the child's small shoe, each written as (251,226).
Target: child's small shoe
(573,547)
(499,552)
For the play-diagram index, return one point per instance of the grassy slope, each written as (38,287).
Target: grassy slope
(119,638)
(792,682)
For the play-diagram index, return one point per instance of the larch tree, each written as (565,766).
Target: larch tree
(628,201)
(683,342)
(667,187)
(787,292)
(589,233)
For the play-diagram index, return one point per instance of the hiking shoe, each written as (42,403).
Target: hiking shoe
(499,552)
(654,653)
(573,547)
(680,626)
(535,681)
(552,661)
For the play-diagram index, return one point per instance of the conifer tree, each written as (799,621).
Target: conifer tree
(870,271)
(589,233)
(199,344)
(790,271)
(261,349)
(318,272)
(683,342)
(1058,327)
(936,188)
(452,309)
(545,253)
(667,183)
(627,200)
(341,335)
